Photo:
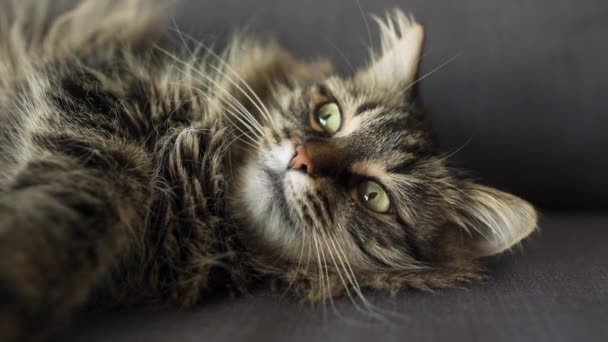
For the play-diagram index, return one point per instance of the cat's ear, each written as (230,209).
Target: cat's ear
(494,219)
(401,45)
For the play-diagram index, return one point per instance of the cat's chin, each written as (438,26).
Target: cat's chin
(267,190)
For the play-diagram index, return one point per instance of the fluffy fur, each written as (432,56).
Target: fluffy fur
(134,172)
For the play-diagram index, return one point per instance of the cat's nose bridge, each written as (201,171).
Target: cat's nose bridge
(319,157)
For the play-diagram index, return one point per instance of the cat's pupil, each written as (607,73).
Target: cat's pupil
(370,196)
(324,118)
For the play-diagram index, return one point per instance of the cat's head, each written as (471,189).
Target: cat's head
(347,176)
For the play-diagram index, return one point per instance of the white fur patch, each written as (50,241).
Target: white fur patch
(279,156)
(260,198)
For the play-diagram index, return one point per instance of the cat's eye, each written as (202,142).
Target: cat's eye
(329,118)
(374,197)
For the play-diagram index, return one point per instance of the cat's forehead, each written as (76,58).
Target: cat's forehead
(364,106)
(382,131)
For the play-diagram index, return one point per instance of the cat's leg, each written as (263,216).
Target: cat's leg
(70,213)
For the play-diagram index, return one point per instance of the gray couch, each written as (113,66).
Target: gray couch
(524,101)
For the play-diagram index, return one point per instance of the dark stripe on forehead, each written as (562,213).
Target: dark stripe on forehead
(323,90)
(366,107)
(403,133)
(387,124)
(403,168)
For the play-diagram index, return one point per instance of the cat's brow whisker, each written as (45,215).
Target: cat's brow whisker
(418,61)
(236,106)
(350,65)
(369,36)
(180,33)
(230,110)
(239,108)
(217,86)
(244,119)
(200,44)
(366,22)
(254,125)
(423,77)
(251,142)
(245,133)
(180,105)
(264,112)
(448,155)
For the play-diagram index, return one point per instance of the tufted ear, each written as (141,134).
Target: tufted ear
(401,46)
(496,220)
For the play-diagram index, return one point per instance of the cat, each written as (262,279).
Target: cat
(137,171)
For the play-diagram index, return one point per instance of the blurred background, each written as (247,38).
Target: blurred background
(519,94)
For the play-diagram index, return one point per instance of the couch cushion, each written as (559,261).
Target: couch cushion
(554,289)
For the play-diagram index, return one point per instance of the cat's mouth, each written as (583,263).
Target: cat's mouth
(284,182)
(269,192)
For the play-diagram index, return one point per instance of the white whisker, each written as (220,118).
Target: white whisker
(423,77)
(242,109)
(202,94)
(350,65)
(343,280)
(321,275)
(245,133)
(357,287)
(200,44)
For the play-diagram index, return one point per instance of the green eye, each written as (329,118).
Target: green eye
(374,197)
(330,118)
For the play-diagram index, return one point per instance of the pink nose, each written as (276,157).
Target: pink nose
(302,161)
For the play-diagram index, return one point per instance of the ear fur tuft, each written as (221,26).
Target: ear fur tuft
(496,220)
(401,47)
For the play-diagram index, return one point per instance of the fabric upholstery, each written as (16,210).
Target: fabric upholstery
(554,289)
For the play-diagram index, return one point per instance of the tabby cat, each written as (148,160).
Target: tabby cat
(137,172)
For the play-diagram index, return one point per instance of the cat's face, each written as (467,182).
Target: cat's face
(347,171)
(349,167)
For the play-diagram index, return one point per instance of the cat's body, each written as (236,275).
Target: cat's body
(133,173)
